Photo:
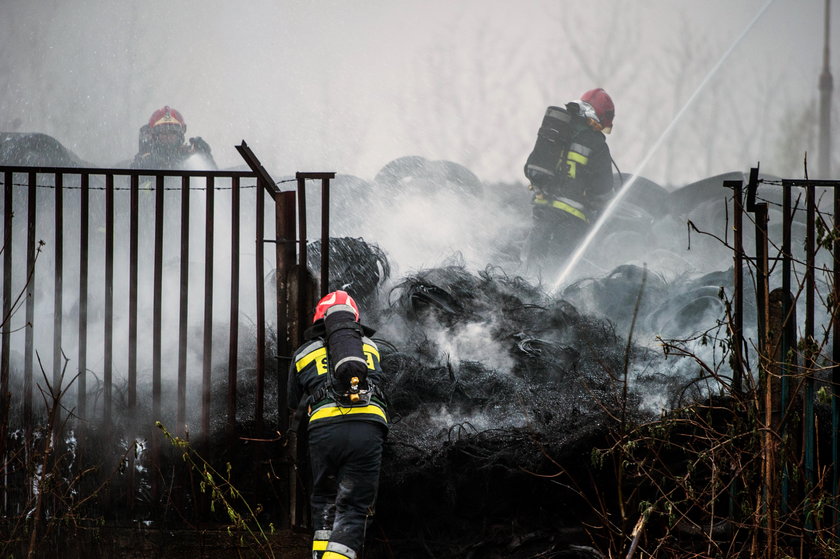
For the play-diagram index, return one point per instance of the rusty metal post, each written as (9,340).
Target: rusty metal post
(84,225)
(208,309)
(58,308)
(284,222)
(285,257)
(233,344)
(183,317)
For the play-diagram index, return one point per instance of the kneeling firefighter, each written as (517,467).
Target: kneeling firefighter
(336,380)
(570,175)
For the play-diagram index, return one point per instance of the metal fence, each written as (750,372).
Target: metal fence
(788,367)
(102,270)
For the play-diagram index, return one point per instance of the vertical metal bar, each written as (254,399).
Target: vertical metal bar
(259,408)
(285,256)
(133,237)
(81,400)
(157,315)
(325,236)
(738,283)
(285,228)
(764,359)
(302,304)
(59,276)
(786,342)
(157,298)
(208,310)
(260,273)
(233,346)
(738,295)
(108,348)
(31,251)
(835,369)
(762,291)
(808,421)
(5,397)
(181,416)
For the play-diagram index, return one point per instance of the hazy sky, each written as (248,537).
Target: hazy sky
(348,86)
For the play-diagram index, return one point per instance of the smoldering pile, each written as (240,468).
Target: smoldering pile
(473,352)
(492,381)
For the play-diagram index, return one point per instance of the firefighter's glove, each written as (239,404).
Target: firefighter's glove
(199,145)
(539,193)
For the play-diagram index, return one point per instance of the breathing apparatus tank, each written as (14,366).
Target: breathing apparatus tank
(549,153)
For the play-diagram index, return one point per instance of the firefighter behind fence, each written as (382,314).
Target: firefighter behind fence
(336,380)
(570,176)
(162,145)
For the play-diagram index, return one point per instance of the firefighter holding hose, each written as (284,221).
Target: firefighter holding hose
(570,176)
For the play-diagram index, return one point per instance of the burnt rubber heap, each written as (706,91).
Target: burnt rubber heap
(494,384)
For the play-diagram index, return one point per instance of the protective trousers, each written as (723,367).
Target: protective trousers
(345,459)
(554,236)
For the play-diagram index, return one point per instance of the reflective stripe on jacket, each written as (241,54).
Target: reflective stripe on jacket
(563,204)
(311,370)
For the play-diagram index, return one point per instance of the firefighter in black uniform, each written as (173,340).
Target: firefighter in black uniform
(336,380)
(162,145)
(570,175)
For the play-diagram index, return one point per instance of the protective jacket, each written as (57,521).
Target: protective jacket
(581,182)
(309,380)
(150,157)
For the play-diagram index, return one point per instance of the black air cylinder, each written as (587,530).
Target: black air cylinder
(345,350)
(553,139)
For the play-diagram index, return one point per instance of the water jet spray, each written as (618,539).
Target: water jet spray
(581,249)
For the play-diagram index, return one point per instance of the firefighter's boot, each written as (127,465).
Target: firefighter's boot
(320,539)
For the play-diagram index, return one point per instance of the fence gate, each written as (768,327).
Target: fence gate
(135,296)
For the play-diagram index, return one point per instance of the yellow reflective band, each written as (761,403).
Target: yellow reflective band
(333,410)
(572,160)
(563,206)
(334,555)
(320,358)
(319,545)
(577,158)
(367,348)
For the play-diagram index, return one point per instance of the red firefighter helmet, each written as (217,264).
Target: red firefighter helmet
(336,298)
(167,126)
(603,106)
